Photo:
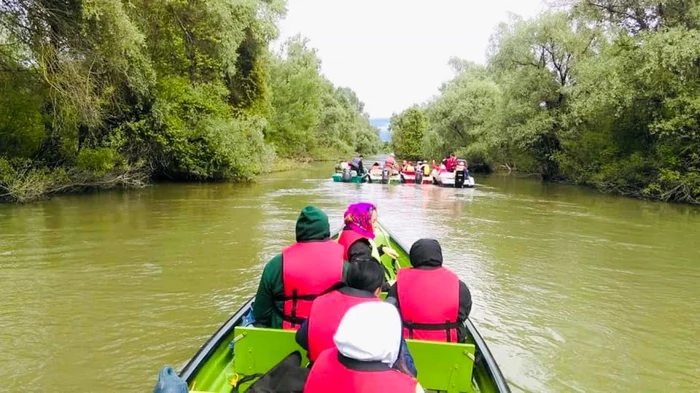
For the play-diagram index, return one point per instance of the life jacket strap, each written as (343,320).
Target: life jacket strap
(294,320)
(448,326)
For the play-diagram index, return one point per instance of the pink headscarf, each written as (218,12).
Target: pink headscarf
(358,217)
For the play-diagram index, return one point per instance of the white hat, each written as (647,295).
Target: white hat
(370,331)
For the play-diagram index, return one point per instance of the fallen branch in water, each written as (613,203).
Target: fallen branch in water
(24,186)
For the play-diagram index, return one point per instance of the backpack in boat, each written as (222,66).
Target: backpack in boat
(288,376)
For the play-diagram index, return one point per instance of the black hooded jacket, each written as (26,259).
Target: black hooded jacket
(427,254)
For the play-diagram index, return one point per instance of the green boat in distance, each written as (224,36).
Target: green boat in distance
(236,351)
(370,178)
(338,178)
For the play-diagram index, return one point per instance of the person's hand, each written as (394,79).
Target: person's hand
(390,252)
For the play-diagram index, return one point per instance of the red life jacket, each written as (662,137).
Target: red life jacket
(429,302)
(308,269)
(451,164)
(325,316)
(346,239)
(328,374)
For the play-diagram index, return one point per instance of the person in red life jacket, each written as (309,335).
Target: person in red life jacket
(363,283)
(434,303)
(291,281)
(357,237)
(389,162)
(365,279)
(366,347)
(451,163)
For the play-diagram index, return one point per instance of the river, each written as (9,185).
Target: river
(573,290)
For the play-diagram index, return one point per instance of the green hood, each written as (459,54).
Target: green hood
(312,224)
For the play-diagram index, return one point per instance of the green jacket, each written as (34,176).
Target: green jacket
(311,225)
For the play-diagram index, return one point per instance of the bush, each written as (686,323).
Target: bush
(97,161)
(197,137)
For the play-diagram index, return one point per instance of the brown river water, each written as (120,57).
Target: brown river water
(574,291)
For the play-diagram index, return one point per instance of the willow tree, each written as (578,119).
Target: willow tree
(534,62)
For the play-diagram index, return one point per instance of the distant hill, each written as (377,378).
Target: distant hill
(383,125)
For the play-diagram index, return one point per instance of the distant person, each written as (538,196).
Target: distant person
(339,166)
(427,170)
(464,167)
(356,164)
(291,280)
(389,162)
(434,303)
(451,163)
(357,237)
(367,345)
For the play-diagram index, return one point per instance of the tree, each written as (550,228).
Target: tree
(604,94)
(109,93)
(407,130)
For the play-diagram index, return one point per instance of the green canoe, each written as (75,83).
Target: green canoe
(338,178)
(236,351)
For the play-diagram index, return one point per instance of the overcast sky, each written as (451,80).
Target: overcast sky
(394,53)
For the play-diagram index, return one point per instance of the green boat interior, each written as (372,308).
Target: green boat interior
(441,367)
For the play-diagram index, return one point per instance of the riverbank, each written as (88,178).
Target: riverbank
(26,184)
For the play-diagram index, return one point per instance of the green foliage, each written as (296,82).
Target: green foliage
(21,121)
(407,132)
(604,95)
(98,94)
(309,114)
(296,99)
(196,136)
(98,161)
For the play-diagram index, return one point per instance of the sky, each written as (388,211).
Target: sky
(394,53)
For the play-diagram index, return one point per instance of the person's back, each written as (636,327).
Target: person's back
(357,237)
(451,163)
(357,164)
(390,162)
(364,279)
(433,302)
(339,374)
(367,344)
(290,281)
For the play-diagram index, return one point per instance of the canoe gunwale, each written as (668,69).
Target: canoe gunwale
(214,342)
(489,363)
(485,361)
